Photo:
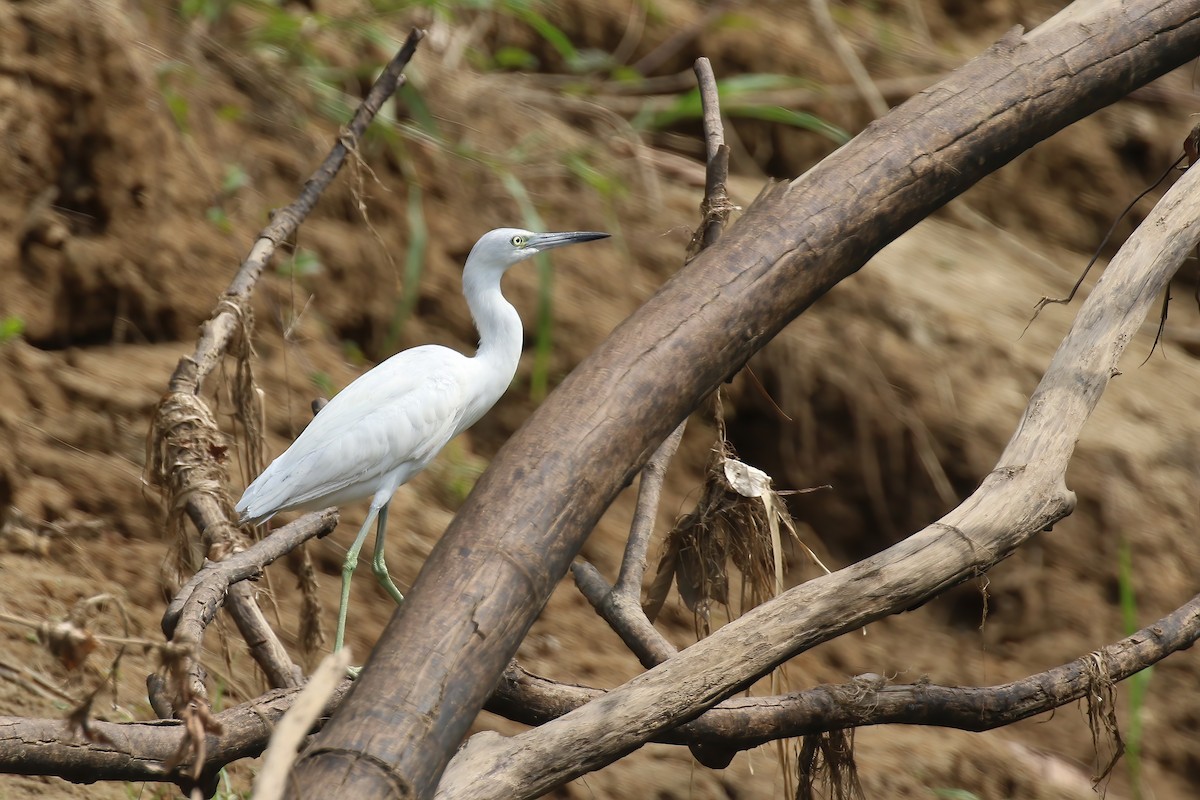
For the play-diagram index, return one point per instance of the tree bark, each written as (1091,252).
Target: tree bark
(1024,494)
(493,570)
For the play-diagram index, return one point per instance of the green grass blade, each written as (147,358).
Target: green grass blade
(1138,682)
(414,262)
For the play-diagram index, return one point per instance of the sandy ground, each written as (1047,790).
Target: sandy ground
(122,220)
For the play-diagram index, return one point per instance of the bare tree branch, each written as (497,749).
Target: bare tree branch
(621,604)
(136,751)
(513,540)
(624,615)
(139,751)
(187,451)
(744,722)
(633,564)
(1023,495)
(202,594)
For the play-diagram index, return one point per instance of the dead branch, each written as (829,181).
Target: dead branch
(140,751)
(624,615)
(187,453)
(197,602)
(1024,494)
(296,724)
(744,722)
(135,751)
(513,540)
(621,605)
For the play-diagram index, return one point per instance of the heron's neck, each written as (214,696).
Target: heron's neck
(498,324)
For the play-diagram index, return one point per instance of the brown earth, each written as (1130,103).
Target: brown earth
(142,151)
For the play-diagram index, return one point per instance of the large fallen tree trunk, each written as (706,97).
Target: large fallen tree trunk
(496,565)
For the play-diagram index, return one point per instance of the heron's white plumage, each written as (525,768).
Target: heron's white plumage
(387,425)
(379,431)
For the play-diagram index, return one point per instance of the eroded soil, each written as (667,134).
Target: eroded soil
(125,125)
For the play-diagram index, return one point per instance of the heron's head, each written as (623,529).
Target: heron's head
(503,247)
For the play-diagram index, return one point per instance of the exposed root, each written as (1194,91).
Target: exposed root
(248,408)
(1102,717)
(737,521)
(828,759)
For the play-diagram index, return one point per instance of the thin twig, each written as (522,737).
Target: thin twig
(633,564)
(715,208)
(1045,301)
(296,724)
(137,750)
(845,53)
(188,451)
(197,602)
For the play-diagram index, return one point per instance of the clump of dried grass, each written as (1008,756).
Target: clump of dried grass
(737,523)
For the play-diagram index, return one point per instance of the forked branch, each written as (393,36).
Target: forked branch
(136,751)
(1023,495)
(526,519)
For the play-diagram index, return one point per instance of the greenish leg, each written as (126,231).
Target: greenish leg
(378,565)
(347,572)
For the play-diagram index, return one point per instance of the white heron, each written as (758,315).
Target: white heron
(389,423)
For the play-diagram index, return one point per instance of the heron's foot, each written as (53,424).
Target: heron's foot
(353,672)
(385,580)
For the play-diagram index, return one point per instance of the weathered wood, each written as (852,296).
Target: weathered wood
(495,567)
(1023,495)
(740,723)
(136,751)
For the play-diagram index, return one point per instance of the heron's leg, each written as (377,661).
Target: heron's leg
(378,565)
(347,572)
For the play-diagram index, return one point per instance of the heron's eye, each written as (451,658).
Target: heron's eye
(518,241)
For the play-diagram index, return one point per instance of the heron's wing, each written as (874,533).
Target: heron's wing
(391,421)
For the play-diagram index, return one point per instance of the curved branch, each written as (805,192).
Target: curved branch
(186,446)
(135,751)
(1023,495)
(496,565)
(745,722)
(196,603)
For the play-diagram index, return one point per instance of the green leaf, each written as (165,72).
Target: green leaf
(797,119)
(217,216)
(418,109)
(600,181)
(177,104)
(550,32)
(414,262)
(235,178)
(11,327)
(514,58)
(323,384)
(305,262)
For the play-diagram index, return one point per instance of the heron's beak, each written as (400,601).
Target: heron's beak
(546,241)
